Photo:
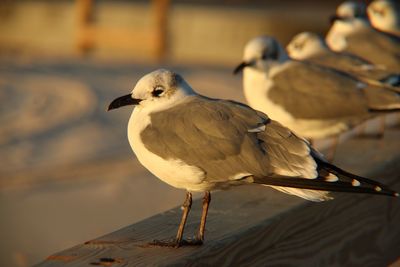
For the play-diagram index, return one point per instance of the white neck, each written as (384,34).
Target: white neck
(256,85)
(336,37)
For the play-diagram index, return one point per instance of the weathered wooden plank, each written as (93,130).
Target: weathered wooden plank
(89,35)
(116,36)
(257,226)
(160,11)
(84,10)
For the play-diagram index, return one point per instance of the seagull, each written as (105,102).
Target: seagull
(355,35)
(313,101)
(312,48)
(350,9)
(201,144)
(384,15)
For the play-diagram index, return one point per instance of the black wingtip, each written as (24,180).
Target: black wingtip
(362,184)
(331,178)
(320,184)
(392,110)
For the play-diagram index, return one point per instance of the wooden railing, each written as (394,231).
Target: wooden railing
(257,226)
(89,35)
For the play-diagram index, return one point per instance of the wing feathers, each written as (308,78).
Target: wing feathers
(319,184)
(331,178)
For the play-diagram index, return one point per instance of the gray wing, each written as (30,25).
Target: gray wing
(350,63)
(218,137)
(376,47)
(226,139)
(308,91)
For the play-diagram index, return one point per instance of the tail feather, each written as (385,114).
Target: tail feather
(319,184)
(309,194)
(365,185)
(332,179)
(373,110)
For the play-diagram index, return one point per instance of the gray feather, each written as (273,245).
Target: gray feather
(350,63)
(214,136)
(377,47)
(308,91)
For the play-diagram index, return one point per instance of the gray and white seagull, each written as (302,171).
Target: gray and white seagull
(356,35)
(201,144)
(312,100)
(385,16)
(311,47)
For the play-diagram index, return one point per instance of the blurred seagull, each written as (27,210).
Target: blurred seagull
(349,10)
(201,144)
(355,35)
(384,15)
(312,48)
(312,100)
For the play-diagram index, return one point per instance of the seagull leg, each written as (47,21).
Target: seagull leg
(361,129)
(382,121)
(363,133)
(198,241)
(206,204)
(331,155)
(186,209)
(178,241)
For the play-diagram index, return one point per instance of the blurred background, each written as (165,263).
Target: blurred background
(67,173)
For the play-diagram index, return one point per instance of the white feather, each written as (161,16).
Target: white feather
(312,195)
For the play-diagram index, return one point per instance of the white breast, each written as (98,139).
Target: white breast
(173,172)
(336,37)
(255,87)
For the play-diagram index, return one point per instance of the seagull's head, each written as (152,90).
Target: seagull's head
(158,89)
(350,18)
(350,10)
(260,53)
(305,45)
(383,14)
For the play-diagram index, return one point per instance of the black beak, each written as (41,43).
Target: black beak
(240,67)
(123,101)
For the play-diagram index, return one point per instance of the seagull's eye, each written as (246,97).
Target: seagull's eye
(158,91)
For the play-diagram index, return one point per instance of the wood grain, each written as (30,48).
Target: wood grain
(257,226)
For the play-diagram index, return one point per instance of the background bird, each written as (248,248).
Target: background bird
(349,10)
(312,48)
(384,15)
(313,101)
(356,35)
